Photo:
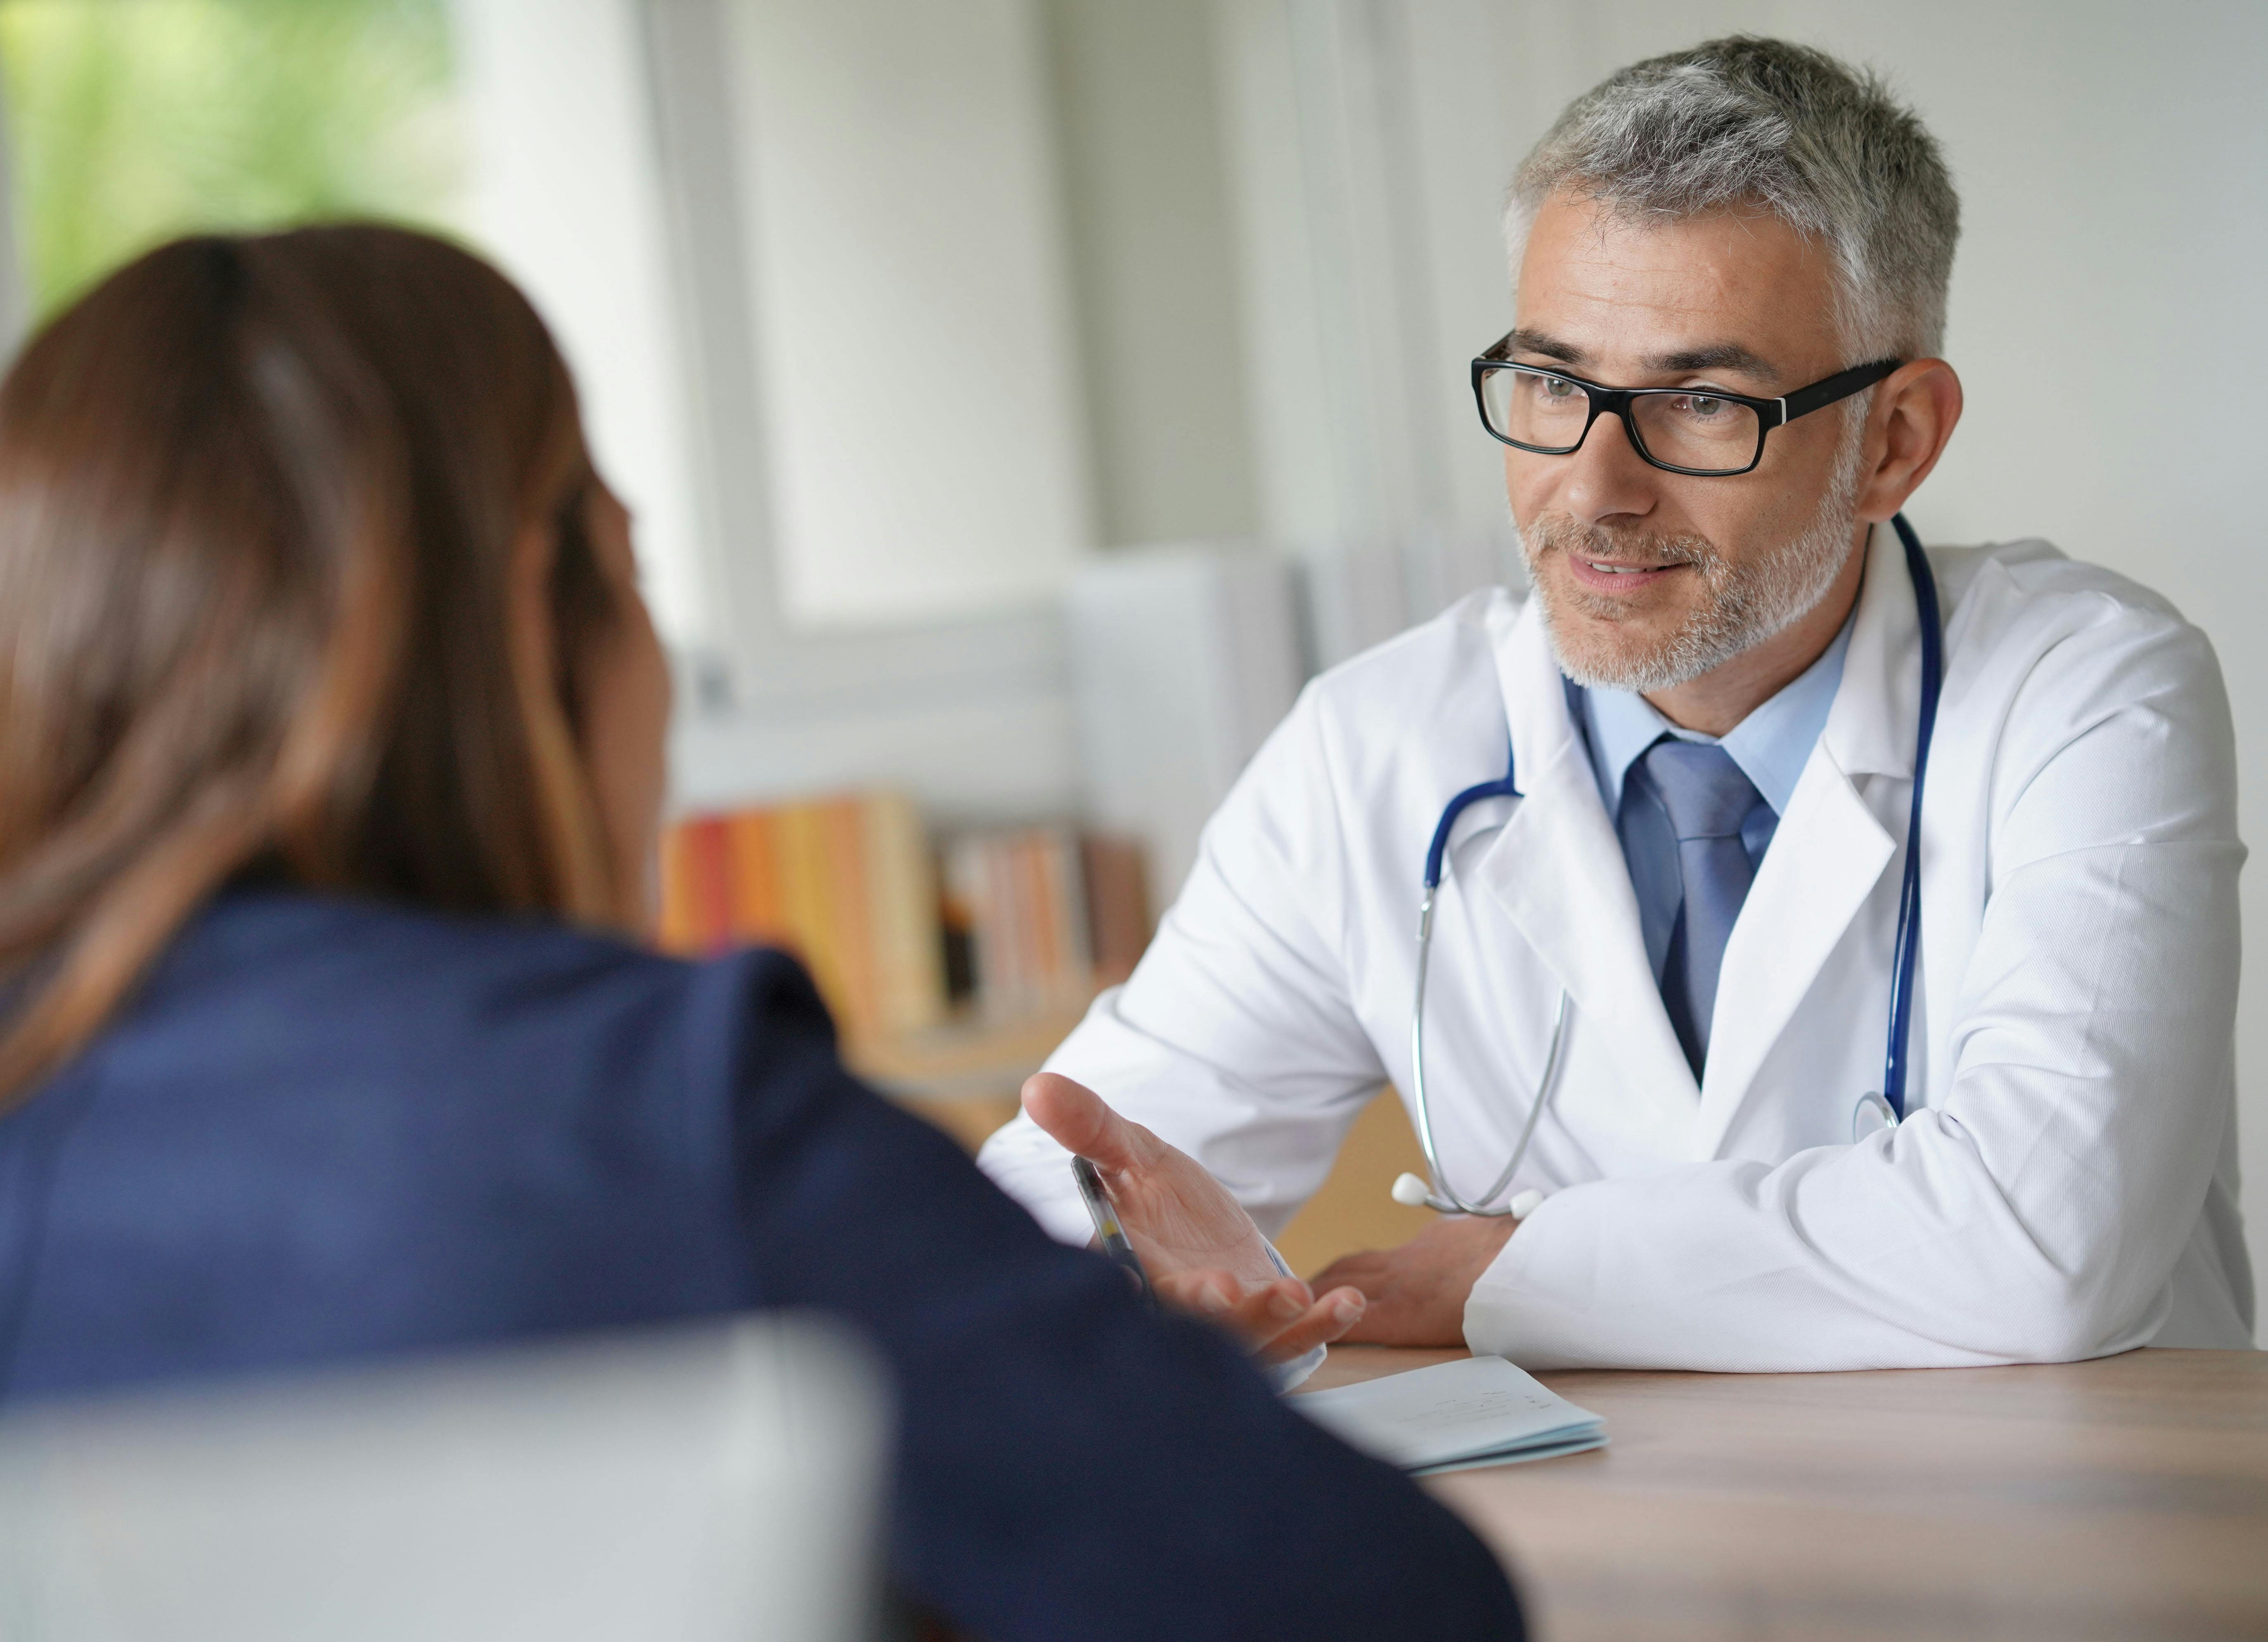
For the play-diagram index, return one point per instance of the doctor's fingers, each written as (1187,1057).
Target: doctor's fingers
(1080,1121)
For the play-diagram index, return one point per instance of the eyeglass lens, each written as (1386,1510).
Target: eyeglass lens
(1547,413)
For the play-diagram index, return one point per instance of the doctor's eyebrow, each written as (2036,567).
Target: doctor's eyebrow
(1523,341)
(1726,356)
(1732,356)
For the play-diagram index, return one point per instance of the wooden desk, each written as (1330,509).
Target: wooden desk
(2122,1498)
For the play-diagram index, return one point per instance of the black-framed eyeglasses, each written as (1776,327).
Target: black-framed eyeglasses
(1708,433)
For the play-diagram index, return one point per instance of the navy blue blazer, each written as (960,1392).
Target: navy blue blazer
(329,1130)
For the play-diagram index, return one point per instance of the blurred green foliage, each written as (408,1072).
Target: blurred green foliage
(134,120)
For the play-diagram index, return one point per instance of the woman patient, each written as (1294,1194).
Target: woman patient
(331,728)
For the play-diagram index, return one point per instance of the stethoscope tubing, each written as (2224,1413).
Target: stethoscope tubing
(1893,1092)
(1444,1198)
(1889,1100)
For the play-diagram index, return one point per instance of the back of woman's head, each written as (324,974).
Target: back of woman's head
(263,505)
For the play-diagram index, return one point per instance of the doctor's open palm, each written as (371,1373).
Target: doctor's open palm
(1200,1248)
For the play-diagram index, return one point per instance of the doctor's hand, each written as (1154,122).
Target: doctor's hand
(1200,1248)
(1417,1292)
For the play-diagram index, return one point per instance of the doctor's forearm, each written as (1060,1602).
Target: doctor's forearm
(1692,1270)
(1838,1259)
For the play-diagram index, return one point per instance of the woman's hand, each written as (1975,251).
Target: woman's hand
(1203,1254)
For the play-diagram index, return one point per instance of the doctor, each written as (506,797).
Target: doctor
(1711,706)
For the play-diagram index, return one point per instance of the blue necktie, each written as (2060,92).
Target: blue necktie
(1707,798)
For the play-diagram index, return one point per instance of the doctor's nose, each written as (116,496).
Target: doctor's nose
(1607,479)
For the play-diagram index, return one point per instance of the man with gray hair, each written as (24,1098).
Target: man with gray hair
(1679,873)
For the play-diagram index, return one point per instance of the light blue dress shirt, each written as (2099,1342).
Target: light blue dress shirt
(1771,745)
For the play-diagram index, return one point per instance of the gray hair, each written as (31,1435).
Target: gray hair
(1762,123)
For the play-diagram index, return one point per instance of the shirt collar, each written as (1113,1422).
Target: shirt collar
(1771,744)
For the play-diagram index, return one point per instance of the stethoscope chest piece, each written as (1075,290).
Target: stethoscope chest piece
(1871,1105)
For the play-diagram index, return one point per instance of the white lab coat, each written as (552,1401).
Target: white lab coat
(2066,1184)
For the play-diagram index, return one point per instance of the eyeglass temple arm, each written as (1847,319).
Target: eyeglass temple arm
(1841,385)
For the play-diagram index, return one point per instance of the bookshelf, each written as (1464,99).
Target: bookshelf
(952,964)
(962,1076)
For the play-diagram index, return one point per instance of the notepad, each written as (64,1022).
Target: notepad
(1455,1417)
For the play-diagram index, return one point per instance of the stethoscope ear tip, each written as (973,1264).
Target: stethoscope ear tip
(1411,1192)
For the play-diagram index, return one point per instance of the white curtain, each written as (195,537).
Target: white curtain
(567,195)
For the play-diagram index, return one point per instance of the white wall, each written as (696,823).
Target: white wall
(2113,164)
(913,327)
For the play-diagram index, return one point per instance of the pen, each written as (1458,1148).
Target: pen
(1107,1230)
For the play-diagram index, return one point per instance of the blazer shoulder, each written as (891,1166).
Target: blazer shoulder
(326,1128)
(408,985)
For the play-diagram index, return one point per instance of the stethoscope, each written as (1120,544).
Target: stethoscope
(1887,1103)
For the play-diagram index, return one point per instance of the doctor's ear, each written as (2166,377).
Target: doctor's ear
(1913,416)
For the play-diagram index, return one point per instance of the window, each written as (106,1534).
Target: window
(132,121)
(515,124)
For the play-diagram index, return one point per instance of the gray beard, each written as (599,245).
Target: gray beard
(1742,605)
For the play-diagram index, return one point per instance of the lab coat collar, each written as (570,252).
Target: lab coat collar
(1870,727)
(1556,868)
(1829,851)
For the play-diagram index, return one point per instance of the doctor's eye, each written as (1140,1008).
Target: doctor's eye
(1697,430)
(1551,395)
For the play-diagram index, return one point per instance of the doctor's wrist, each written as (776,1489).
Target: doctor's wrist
(1417,1292)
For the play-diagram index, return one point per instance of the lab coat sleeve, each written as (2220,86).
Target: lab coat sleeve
(1235,1038)
(2035,1213)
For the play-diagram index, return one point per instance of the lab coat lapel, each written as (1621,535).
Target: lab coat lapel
(1829,853)
(1556,870)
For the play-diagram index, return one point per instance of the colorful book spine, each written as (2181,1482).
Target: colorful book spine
(696,916)
(1038,916)
(1117,905)
(1020,894)
(903,913)
(753,851)
(846,883)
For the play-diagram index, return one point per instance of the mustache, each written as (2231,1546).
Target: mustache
(1649,549)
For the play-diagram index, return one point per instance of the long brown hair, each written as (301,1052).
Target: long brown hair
(260,504)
